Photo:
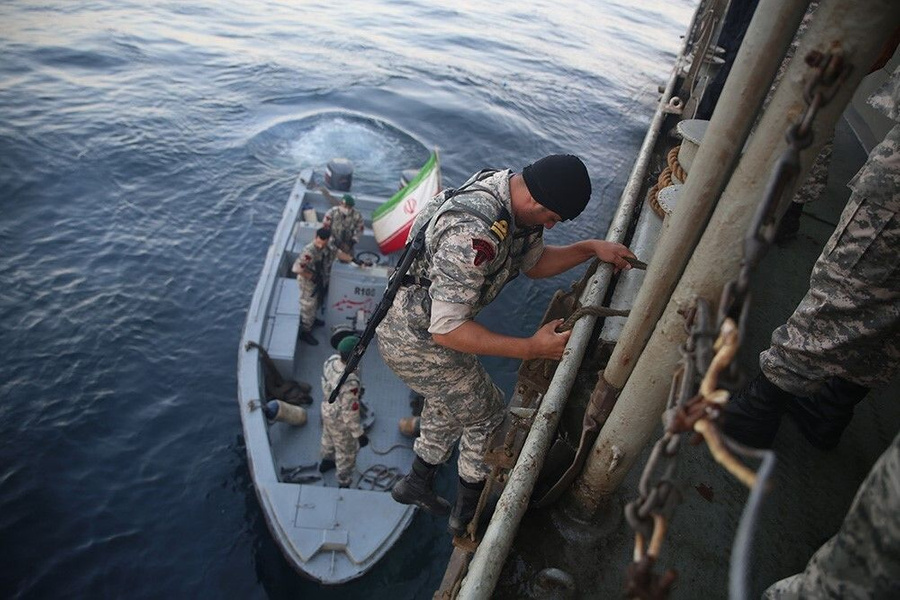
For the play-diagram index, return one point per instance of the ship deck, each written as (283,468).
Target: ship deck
(811,489)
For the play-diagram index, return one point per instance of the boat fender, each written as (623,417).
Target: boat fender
(276,410)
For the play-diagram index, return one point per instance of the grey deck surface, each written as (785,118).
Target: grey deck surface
(812,489)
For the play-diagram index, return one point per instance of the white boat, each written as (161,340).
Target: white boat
(327,533)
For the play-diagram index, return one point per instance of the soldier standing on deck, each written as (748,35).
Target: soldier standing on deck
(312,268)
(844,336)
(479,237)
(346,224)
(342,431)
(842,339)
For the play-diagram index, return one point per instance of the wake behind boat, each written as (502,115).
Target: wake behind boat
(327,533)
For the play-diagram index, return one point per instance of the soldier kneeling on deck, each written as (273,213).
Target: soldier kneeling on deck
(342,431)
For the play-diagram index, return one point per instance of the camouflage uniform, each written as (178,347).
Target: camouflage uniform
(317,262)
(863,559)
(345,228)
(848,324)
(341,427)
(472,249)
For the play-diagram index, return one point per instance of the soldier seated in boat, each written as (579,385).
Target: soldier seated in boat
(342,431)
(313,268)
(477,240)
(346,224)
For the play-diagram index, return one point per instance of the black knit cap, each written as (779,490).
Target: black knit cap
(559,182)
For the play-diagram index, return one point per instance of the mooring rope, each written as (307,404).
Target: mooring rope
(673,169)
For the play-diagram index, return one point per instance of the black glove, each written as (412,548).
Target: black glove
(363,440)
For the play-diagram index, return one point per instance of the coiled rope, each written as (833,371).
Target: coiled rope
(673,169)
(379,478)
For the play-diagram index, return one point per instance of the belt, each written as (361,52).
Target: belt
(415,280)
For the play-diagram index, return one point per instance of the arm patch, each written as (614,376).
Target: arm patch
(484,251)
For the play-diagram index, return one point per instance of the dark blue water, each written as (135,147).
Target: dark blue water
(146,152)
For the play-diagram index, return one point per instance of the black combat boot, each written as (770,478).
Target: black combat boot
(823,417)
(752,415)
(306,336)
(789,224)
(467,496)
(418,488)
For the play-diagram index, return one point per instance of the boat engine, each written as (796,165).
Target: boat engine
(339,174)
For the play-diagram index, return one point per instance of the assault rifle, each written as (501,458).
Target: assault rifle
(319,289)
(410,253)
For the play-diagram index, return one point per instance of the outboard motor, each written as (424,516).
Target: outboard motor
(339,174)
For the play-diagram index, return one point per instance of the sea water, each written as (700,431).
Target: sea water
(146,152)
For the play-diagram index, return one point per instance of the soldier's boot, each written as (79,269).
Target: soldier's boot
(752,415)
(789,224)
(417,487)
(306,336)
(823,417)
(467,496)
(326,465)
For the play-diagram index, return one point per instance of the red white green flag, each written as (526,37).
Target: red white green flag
(392,220)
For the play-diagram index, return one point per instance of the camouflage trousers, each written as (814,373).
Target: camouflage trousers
(339,444)
(461,401)
(848,324)
(309,304)
(863,559)
(814,186)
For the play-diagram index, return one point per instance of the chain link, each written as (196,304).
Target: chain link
(829,73)
(707,360)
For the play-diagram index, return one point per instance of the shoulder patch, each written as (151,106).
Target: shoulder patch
(354,406)
(484,251)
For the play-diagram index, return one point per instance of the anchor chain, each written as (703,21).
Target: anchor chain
(707,368)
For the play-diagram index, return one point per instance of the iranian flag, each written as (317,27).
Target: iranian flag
(392,220)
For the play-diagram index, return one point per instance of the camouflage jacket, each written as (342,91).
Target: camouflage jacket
(879,179)
(315,261)
(472,248)
(345,408)
(345,228)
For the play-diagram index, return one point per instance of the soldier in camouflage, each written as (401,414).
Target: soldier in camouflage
(342,431)
(863,559)
(346,224)
(478,238)
(312,268)
(844,337)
